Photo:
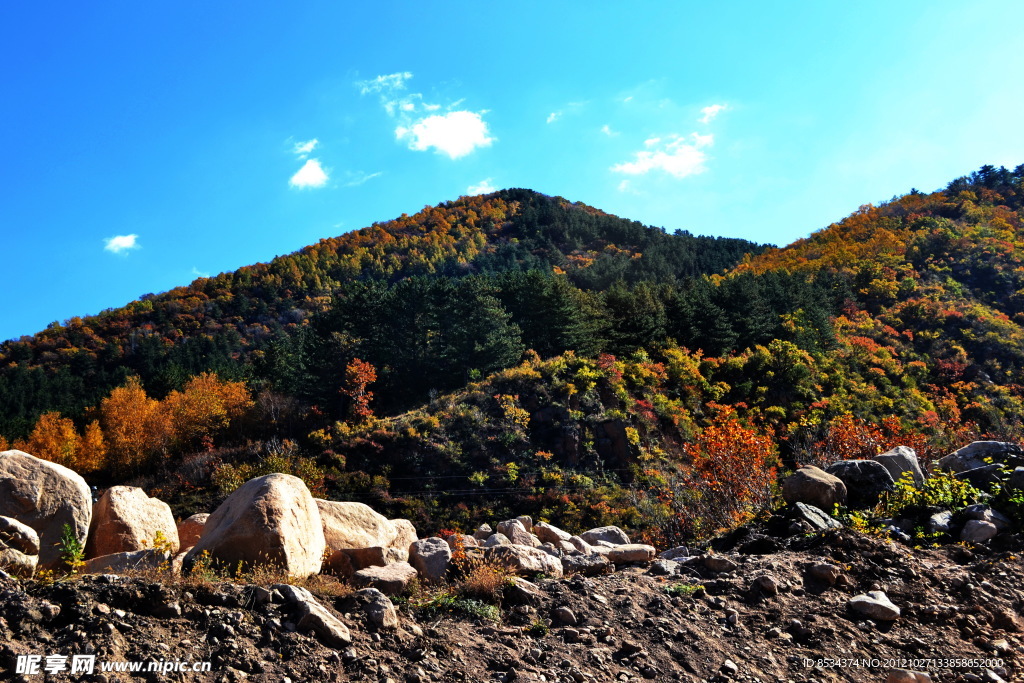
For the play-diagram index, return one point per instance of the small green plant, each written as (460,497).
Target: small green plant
(71,550)
(683,590)
(942,489)
(538,629)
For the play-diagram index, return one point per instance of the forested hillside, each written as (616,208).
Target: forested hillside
(250,324)
(520,353)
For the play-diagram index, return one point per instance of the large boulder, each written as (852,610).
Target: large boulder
(390,579)
(900,460)
(515,530)
(609,534)
(549,533)
(19,548)
(979,454)
(129,561)
(269,520)
(865,480)
(190,530)
(126,519)
(631,552)
(526,561)
(45,496)
(813,486)
(405,536)
(359,537)
(430,557)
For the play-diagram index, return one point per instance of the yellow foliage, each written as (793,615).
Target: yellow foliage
(205,407)
(135,426)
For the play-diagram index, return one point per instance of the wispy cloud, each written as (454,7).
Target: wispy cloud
(711,112)
(554,116)
(607,130)
(199,273)
(120,244)
(358,178)
(312,174)
(384,83)
(483,187)
(457,132)
(302,149)
(676,155)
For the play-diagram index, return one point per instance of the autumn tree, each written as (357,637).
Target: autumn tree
(204,409)
(135,426)
(358,374)
(54,438)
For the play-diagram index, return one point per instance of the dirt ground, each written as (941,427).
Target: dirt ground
(960,620)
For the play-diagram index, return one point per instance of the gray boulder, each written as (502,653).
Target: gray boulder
(899,460)
(979,454)
(609,534)
(430,557)
(875,605)
(865,480)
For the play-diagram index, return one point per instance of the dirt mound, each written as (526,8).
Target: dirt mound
(777,616)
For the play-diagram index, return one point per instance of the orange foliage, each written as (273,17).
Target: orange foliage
(359,373)
(54,438)
(733,466)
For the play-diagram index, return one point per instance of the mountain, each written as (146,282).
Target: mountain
(226,323)
(521,353)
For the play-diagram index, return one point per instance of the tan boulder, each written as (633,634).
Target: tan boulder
(405,536)
(19,548)
(359,537)
(611,535)
(269,520)
(191,529)
(44,496)
(390,579)
(525,560)
(813,486)
(631,552)
(549,533)
(126,519)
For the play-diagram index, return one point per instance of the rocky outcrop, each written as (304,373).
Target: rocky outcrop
(45,496)
(813,486)
(126,519)
(268,520)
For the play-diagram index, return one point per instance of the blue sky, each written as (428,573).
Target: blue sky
(147,144)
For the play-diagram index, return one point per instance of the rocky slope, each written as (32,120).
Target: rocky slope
(959,620)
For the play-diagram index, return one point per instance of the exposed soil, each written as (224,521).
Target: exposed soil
(956,604)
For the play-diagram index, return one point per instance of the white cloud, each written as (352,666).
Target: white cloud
(302,149)
(554,116)
(456,133)
(384,83)
(711,112)
(312,174)
(199,273)
(484,187)
(679,156)
(606,129)
(121,243)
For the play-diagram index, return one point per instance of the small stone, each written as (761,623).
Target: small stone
(825,572)
(765,585)
(718,563)
(875,605)
(978,531)
(729,669)
(564,615)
